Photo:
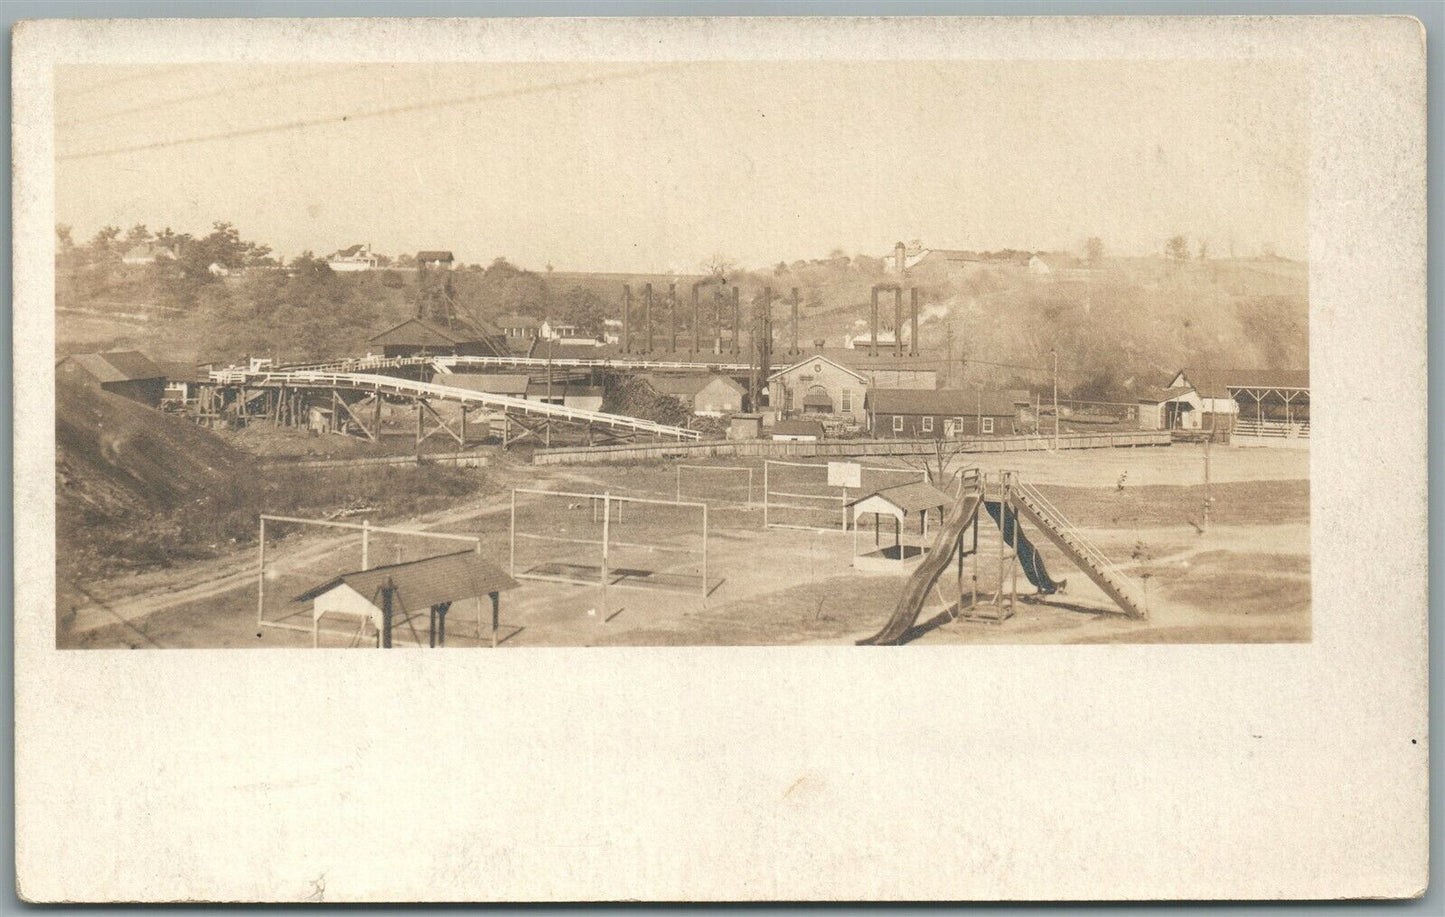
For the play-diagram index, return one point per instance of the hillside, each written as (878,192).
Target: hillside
(1116,327)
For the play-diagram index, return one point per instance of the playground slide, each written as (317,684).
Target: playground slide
(1029,557)
(915,593)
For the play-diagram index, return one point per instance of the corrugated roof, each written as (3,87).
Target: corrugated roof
(180,372)
(1264,378)
(941,402)
(422,583)
(117,366)
(910,498)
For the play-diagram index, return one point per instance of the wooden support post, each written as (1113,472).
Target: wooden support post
(463,439)
(496,615)
(419,405)
(387,591)
(606,526)
(376,417)
(442,610)
(261,575)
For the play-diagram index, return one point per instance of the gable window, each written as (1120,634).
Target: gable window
(897,423)
(928,425)
(988,425)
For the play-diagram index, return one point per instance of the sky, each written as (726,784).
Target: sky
(654,167)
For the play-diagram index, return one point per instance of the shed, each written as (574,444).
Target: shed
(745,426)
(513,385)
(435,258)
(797,431)
(390,595)
(128,373)
(902,502)
(419,337)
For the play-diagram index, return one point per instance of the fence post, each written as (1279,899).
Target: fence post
(606,516)
(366,544)
(261,576)
(704,553)
(765,494)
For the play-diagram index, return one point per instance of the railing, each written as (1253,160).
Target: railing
(414,389)
(1084,546)
(762,448)
(1275,428)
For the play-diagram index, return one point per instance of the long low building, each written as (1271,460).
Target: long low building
(943,413)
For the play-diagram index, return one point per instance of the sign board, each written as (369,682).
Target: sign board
(845,474)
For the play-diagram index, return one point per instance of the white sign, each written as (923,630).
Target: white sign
(845,474)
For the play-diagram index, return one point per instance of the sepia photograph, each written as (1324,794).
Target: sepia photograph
(849,459)
(701,353)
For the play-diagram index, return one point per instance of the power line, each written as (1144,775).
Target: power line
(223,91)
(375,113)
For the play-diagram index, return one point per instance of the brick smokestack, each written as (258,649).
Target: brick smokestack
(900,259)
(647,316)
(717,319)
(873,328)
(795,322)
(898,321)
(626,318)
(672,316)
(913,337)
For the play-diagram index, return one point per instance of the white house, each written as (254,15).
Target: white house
(355,258)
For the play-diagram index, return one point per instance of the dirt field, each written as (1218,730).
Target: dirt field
(1244,579)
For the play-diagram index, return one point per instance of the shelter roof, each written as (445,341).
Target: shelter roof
(423,583)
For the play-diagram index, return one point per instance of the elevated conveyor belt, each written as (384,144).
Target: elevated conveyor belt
(410,388)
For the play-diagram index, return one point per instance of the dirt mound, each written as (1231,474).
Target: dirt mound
(116,458)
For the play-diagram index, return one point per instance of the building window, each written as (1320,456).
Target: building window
(958,426)
(787,399)
(897,423)
(928,425)
(988,425)
(847,401)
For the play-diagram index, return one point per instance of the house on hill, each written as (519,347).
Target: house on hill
(520,327)
(905,258)
(418,337)
(940,413)
(148,253)
(435,260)
(355,258)
(127,373)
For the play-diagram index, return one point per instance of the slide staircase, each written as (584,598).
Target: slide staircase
(1035,507)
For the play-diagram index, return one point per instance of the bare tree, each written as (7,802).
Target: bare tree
(1094,251)
(719,266)
(1177,249)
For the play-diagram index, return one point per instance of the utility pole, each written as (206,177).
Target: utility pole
(1055,354)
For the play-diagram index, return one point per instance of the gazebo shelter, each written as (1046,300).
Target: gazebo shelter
(903,504)
(386,598)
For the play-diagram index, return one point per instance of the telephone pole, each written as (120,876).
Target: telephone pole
(1055,354)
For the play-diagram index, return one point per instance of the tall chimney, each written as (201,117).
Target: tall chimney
(898,321)
(873,332)
(737,318)
(696,341)
(794,351)
(717,319)
(913,337)
(647,315)
(626,318)
(672,316)
(900,259)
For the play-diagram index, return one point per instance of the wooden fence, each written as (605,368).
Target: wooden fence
(759,448)
(457,459)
